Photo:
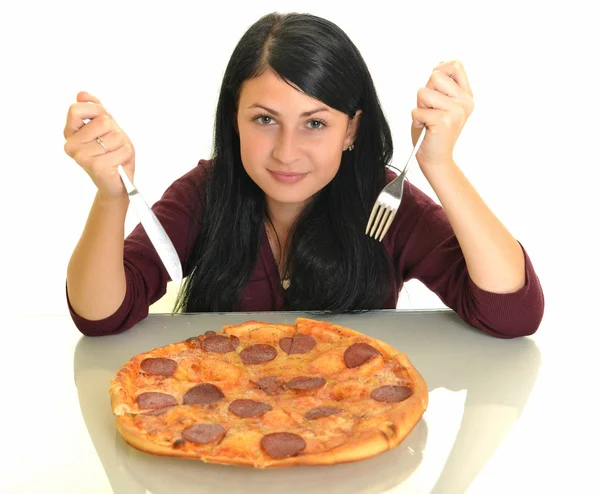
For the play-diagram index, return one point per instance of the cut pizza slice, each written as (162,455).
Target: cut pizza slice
(213,358)
(170,375)
(259,348)
(181,430)
(275,352)
(342,350)
(270,447)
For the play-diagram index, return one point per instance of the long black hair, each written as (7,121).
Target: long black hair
(334,265)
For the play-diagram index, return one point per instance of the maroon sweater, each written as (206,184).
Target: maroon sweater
(420,243)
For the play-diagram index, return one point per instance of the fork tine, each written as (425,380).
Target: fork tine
(380,211)
(373,211)
(388,223)
(384,218)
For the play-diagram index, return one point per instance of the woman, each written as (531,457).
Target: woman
(276,218)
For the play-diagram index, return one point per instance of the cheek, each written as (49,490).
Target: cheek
(253,144)
(327,155)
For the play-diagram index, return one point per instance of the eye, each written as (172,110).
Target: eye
(263,119)
(316,124)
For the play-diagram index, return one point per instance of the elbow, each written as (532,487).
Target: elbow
(125,317)
(518,330)
(100,328)
(528,320)
(529,323)
(512,315)
(513,324)
(531,326)
(94,332)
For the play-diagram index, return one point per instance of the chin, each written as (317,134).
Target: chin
(288,197)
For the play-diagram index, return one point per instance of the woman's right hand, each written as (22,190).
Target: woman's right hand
(81,145)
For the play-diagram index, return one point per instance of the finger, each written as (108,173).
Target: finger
(426,117)
(430,98)
(93,155)
(78,112)
(119,156)
(455,69)
(444,84)
(110,142)
(84,96)
(97,127)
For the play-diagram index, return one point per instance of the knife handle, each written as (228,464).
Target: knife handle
(129,187)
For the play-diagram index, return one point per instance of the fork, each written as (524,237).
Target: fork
(388,201)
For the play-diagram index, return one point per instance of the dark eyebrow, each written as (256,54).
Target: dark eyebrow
(276,113)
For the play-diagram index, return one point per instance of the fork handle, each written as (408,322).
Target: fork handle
(414,151)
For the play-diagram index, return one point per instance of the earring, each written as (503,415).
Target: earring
(351,147)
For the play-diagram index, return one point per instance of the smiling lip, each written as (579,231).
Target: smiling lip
(286,177)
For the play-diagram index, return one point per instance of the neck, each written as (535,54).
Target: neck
(283,215)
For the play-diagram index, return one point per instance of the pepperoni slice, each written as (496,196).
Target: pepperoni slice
(159,366)
(391,393)
(286,344)
(217,344)
(282,444)
(258,354)
(203,433)
(358,354)
(235,341)
(153,399)
(319,412)
(270,385)
(305,383)
(301,343)
(248,408)
(203,394)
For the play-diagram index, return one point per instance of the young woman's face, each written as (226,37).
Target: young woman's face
(291,144)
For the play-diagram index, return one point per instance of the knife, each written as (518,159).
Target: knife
(155,231)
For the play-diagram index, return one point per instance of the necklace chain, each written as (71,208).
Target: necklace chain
(285,280)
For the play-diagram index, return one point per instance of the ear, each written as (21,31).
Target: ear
(352,130)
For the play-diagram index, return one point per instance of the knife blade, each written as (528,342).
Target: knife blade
(156,233)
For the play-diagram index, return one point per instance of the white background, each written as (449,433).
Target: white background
(530,148)
(157,66)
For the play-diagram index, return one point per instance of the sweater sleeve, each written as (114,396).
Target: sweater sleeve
(145,275)
(425,248)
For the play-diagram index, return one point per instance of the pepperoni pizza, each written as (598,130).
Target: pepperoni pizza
(269,395)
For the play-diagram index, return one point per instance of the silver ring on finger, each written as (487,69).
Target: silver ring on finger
(101,142)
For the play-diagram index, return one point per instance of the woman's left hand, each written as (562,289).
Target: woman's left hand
(443,106)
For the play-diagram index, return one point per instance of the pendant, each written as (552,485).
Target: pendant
(285,283)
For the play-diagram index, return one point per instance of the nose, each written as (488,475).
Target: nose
(287,149)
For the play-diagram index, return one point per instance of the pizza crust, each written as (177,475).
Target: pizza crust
(120,390)
(259,332)
(406,417)
(135,438)
(325,331)
(368,443)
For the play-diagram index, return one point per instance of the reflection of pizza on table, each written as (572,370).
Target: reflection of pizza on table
(269,395)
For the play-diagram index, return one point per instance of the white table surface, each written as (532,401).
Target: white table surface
(515,416)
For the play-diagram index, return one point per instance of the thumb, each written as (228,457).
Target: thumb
(85,97)
(420,116)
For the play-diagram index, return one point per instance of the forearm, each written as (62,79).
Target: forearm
(95,275)
(494,259)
